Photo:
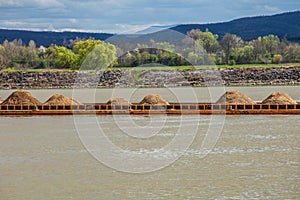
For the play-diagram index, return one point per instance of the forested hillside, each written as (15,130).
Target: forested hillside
(283,25)
(286,25)
(46,38)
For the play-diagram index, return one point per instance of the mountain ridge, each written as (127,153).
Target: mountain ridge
(46,38)
(284,25)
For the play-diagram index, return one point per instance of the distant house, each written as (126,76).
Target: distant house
(42,49)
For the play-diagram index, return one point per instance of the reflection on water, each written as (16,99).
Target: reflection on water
(256,157)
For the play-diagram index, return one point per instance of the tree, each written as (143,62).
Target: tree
(270,43)
(127,60)
(195,34)
(102,56)
(94,54)
(265,48)
(258,50)
(164,45)
(32,54)
(195,59)
(63,57)
(3,59)
(242,55)
(17,55)
(277,58)
(83,47)
(208,41)
(9,53)
(292,53)
(31,45)
(228,43)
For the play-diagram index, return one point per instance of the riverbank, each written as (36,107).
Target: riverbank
(249,76)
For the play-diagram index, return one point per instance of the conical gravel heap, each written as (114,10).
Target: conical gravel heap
(234,97)
(21,97)
(59,99)
(279,98)
(154,99)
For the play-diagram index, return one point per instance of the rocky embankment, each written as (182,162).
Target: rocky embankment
(151,78)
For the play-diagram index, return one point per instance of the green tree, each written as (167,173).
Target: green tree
(127,60)
(277,58)
(292,53)
(164,45)
(97,55)
(208,41)
(242,55)
(62,57)
(3,58)
(83,47)
(248,54)
(228,43)
(270,43)
(195,58)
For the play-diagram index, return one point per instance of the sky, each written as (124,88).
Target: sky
(129,16)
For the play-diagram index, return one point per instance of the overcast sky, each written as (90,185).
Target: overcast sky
(118,16)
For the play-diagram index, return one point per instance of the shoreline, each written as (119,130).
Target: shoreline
(251,76)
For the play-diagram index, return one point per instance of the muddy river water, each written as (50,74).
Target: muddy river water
(67,157)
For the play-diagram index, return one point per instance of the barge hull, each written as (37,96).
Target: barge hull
(135,109)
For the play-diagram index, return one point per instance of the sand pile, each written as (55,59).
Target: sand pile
(21,97)
(59,99)
(234,97)
(279,98)
(154,99)
(118,101)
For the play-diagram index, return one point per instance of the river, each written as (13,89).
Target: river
(65,157)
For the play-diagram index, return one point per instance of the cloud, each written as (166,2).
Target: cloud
(268,9)
(11,23)
(10,3)
(48,3)
(31,3)
(72,20)
(130,15)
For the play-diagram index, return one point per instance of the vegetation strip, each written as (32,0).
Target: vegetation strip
(97,54)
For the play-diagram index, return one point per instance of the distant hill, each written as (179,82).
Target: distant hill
(46,38)
(283,25)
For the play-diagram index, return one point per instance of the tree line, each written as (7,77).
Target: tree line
(197,47)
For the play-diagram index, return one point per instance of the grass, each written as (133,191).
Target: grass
(35,70)
(258,65)
(187,68)
(157,68)
(143,68)
(137,76)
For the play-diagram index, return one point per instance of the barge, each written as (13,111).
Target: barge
(148,109)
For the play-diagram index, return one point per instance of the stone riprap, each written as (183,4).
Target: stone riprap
(151,78)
